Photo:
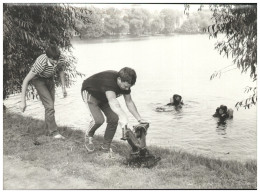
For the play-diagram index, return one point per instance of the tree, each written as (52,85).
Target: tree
(146,17)
(157,25)
(238,22)
(114,23)
(138,20)
(171,20)
(27,30)
(196,23)
(94,28)
(189,26)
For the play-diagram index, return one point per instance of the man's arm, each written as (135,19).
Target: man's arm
(63,83)
(29,76)
(132,108)
(115,106)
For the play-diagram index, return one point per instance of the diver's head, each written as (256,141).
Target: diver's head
(222,109)
(176,99)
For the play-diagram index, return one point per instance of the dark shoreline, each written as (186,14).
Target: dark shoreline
(108,39)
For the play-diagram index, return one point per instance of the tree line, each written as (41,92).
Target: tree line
(140,21)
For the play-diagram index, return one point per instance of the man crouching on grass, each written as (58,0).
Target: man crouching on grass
(99,92)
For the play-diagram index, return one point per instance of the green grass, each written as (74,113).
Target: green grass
(58,164)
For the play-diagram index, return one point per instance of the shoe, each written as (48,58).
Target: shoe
(58,136)
(105,149)
(135,152)
(89,145)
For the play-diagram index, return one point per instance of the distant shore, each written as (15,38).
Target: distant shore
(129,37)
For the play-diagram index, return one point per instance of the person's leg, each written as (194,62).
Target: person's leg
(51,88)
(48,103)
(96,118)
(112,123)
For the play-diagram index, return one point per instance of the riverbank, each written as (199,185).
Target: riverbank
(115,38)
(58,164)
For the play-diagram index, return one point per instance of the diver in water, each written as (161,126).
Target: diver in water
(175,101)
(223,113)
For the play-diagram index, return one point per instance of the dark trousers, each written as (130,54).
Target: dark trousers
(46,90)
(96,108)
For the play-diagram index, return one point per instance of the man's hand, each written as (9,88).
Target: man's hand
(23,106)
(143,121)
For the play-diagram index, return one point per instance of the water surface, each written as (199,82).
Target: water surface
(180,64)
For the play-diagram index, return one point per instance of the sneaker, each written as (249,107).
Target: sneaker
(89,145)
(135,152)
(105,149)
(58,136)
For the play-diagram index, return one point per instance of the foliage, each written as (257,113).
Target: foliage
(196,23)
(239,24)
(93,28)
(27,30)
(251,100)
(136,19)
(171,20)
(157,25)
(146,21)
(114,23)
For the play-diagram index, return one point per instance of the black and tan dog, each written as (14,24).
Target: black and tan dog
(140,156)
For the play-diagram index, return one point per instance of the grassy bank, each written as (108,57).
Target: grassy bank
(58,164)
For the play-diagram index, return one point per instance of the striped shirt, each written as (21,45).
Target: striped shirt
(43,68)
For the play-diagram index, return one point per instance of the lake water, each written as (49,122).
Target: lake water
(179,64)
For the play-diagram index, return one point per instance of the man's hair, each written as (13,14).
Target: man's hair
(53,52)
(127,75)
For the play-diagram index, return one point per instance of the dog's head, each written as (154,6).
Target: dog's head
(141,129)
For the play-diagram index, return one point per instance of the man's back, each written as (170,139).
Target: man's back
(99,83)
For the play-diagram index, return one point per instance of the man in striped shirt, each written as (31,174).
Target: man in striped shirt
(42,77)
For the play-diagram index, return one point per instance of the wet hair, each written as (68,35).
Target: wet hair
(222,116)
(175,101)
(127,75)
(53,52)
(224,108)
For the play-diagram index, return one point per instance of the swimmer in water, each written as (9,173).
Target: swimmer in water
(223,113)
(175,101)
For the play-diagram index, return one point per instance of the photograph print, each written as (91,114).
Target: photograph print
(129,96)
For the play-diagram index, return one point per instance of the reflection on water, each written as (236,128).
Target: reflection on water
(166,66)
